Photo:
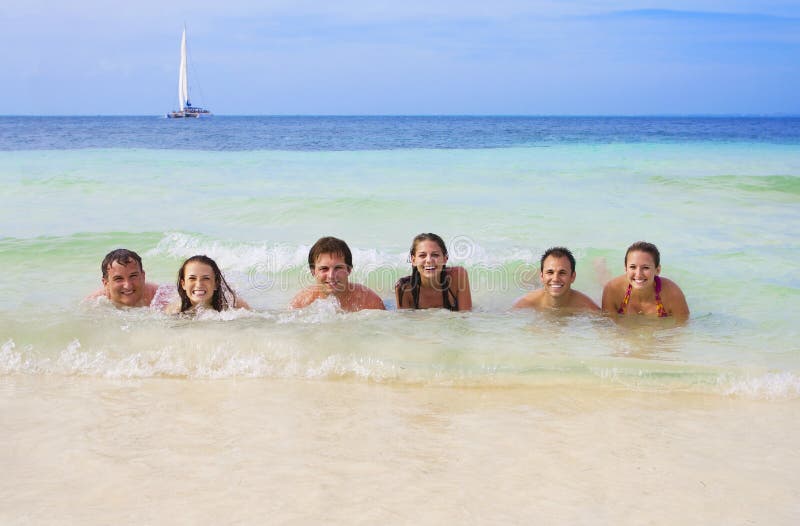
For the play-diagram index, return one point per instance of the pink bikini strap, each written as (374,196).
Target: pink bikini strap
(625,300)
(662,312)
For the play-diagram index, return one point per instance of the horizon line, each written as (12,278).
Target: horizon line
(379,115)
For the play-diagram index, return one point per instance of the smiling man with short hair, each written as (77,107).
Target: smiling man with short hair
(331,262)
(124,281)
(557,273)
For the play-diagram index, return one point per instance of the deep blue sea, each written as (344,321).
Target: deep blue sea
(354,133)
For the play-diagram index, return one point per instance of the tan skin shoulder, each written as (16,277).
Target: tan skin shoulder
(150,290)
(362,297)
(239,303)
(357,297)
(173,308)
(613,292)
(461,286)
(531,300)
(306,297)
(537,299)
(96,294)
(674,300)
(580,301)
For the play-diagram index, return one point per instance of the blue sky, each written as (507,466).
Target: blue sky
(414,57)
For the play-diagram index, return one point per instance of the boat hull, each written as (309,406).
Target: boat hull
(188,114)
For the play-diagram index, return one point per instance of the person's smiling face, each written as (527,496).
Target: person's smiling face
(331,271)
(199,283)
(429,259)
(125,284)
(557,275)
(640,267)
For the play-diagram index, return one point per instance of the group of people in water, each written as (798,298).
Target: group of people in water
(640,290)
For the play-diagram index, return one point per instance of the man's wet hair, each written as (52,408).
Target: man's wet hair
(329,245)
(559,252)
(122,256)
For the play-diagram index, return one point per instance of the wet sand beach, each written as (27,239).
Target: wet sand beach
(80,450)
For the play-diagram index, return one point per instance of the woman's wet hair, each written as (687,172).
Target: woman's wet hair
(122,256)
(644,246)
(558,252)
(414,282)
(329,245)
(222,291)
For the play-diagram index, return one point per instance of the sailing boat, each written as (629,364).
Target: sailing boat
(186,109)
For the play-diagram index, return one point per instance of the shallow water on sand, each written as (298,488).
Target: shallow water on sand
(723,214)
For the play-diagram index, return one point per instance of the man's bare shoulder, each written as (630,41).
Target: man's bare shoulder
(366,298)
(580,301)
(530,300)
(305,297)
(150,291)
(99,293)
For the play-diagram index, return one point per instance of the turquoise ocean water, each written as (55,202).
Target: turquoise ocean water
(719,196)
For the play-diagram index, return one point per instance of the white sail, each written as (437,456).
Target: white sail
(183,80)
(185,108)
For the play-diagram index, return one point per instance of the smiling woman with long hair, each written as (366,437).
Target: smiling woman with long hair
(201,285)
(641,290)
(432,284)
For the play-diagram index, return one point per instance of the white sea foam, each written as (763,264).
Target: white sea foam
(207,355)
(321,311)
(770,386)
(276,257)
(11,360)
(232,256)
